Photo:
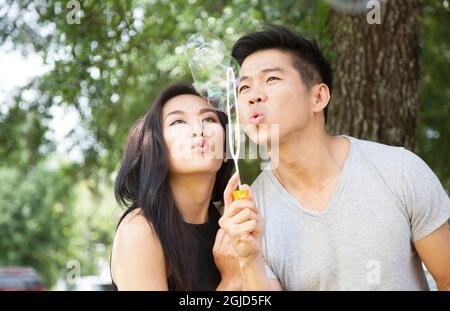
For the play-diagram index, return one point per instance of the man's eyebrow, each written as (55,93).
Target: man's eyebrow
(272,69)
(265,70)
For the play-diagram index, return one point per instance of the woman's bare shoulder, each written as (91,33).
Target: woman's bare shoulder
(136,230)
(137,254)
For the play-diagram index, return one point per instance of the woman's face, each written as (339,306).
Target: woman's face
(193,135)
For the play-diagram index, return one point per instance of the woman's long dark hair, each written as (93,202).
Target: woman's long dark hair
(143,182)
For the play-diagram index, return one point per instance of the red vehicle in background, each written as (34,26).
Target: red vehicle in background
(20,279)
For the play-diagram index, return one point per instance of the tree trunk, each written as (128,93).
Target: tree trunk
(376,74)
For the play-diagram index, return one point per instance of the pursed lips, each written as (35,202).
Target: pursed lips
(199,145)
(256,117)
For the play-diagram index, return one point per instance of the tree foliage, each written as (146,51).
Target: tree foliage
(109,68)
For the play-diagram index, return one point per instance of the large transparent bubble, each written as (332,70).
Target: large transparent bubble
(215,78)
(209,60)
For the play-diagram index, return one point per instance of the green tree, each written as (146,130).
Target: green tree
(433,132)
(36,223)
(112,64)
(377,73)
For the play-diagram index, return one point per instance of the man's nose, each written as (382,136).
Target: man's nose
(257,97)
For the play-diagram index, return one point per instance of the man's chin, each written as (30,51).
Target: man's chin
(263,134)
(260,137)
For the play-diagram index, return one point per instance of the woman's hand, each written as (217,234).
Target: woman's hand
(227,262)
(243,222)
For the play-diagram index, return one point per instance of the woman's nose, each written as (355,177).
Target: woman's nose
(197,127)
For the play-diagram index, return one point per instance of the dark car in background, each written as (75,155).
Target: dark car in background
(20,279)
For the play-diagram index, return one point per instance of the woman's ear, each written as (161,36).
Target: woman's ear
(321,97)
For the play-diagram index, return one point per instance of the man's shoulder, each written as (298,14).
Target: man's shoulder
(381,155)
(377,148)
(395,165)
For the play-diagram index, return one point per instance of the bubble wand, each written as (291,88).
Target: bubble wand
(206,58)
(233,128)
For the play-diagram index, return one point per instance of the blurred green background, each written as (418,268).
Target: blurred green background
(62,133)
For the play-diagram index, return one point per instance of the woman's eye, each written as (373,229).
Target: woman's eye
(176,122)
(210,120)
(272,79)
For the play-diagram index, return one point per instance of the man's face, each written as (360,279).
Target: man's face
(271,92)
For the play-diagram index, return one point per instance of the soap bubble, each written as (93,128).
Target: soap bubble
(215,78)
(209,61)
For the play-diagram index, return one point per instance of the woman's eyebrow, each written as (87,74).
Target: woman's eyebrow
(205,110)
(174,112)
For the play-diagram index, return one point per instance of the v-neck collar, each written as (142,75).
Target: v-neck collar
(337,194)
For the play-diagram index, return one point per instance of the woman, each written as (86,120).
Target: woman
(173,171)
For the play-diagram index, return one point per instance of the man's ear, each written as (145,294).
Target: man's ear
(321,97)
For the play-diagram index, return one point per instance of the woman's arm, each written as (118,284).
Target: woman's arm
(137,257)
(227,263)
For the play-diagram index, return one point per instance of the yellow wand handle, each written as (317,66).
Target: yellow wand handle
(240,194)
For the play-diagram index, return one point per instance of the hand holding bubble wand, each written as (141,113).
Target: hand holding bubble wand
(214,76)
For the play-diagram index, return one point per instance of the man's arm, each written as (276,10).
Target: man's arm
(428,207)
(254,276)
(244,224)
(434,250)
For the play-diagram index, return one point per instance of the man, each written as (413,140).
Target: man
(340,213)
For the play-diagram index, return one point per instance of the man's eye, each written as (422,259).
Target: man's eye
(176,122)
(242,88)
(212,120)
(272,79)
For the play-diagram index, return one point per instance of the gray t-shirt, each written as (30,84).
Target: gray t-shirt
(385,199)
